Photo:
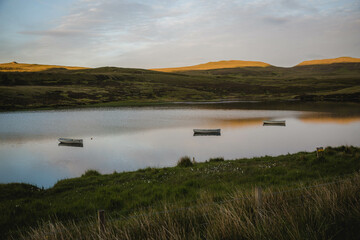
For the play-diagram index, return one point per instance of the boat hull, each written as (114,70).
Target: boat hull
(274,123)
(199,132)
(206,130)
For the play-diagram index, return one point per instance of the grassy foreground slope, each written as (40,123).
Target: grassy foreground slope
(129,193)
(110,86)
(322,211)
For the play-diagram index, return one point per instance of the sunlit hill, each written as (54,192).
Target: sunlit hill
(216,65)
(24,67)
(330,61)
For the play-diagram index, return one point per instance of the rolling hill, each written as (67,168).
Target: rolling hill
(330,61)
(216,65)
(24,67)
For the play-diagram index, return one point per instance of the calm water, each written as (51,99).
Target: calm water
(126,139)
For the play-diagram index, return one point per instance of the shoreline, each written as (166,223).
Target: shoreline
(132,104)
(211,160)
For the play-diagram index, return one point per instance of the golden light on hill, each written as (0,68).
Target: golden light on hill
(24,67)
(215,65)
(330,61)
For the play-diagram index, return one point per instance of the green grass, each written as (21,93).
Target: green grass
(128,193)
(110,86)
(322,211)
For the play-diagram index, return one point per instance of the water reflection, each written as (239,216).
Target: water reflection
(321,119)
(196,134)
(129,139)
(237,123)
(71,144)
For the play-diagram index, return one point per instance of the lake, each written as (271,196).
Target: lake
(125,139)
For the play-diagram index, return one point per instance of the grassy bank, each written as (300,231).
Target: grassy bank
(129,193)
(108,86)
(324,211)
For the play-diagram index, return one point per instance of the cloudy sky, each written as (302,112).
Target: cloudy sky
(172,33)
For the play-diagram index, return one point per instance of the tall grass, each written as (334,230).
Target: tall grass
(324,211)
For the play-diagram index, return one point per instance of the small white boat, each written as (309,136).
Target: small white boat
(207,131)
(275,123)
(70,141)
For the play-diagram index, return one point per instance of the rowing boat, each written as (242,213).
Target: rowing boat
(275,123)
(206,132)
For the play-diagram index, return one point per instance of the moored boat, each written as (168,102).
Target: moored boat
(70,141)
(275,123)
(207,131)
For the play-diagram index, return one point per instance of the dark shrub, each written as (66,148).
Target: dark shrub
(184,162)
(115,203)
(218,159)
(91,172)
(349,149)
(303,157)
(330,151)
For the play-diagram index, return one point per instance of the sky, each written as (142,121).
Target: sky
(175,33)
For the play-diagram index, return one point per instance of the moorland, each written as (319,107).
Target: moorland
(44,86)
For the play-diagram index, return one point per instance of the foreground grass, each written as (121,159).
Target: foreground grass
(329,211)
(147,190)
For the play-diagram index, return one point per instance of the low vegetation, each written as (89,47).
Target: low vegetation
(184,162)
(91,172)
(218,159)
(216,195)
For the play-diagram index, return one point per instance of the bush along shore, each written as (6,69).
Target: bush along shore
(293,196)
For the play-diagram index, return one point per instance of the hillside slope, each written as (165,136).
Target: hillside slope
(24,67)
(216,65)
(330,61)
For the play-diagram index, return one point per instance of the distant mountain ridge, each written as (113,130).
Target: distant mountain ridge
(240,63)
(226,64)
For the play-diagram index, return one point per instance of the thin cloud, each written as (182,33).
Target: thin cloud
(276,20)
(57,33)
